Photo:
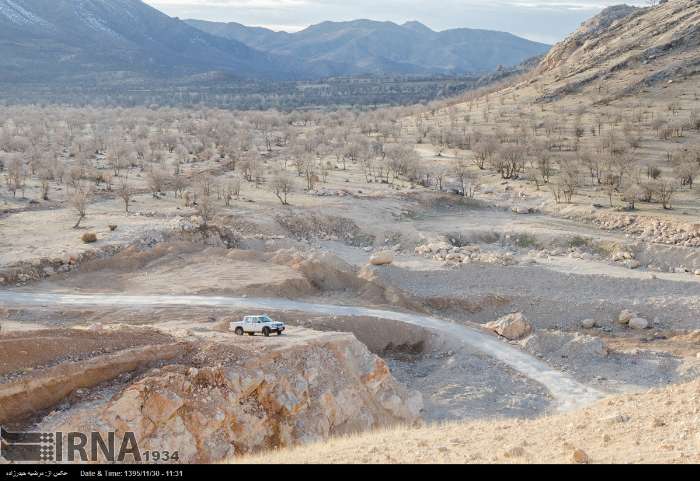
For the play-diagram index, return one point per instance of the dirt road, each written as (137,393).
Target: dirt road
(567,392)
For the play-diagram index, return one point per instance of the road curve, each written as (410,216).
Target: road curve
(567,392)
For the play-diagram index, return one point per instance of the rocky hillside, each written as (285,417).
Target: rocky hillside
(369,47)
(625,49)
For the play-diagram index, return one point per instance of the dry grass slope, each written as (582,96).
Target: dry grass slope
(659,426)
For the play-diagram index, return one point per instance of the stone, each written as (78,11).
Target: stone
(638,323)
(382,258)
(626,316)
(588,323)
(580,456)
(632,264)
(617,419)
(512,327)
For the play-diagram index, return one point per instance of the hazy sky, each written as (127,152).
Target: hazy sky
(541,20)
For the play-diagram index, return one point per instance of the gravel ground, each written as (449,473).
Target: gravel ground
(553,299)
(462,384)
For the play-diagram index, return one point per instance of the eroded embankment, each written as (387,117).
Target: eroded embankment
(236,395)
(41,369)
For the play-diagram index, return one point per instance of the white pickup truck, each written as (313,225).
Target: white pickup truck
(252,325)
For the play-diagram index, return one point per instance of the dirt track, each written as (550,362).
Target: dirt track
(568,393)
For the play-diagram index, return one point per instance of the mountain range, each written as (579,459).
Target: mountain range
(370,47)
(42,40)
(48,41)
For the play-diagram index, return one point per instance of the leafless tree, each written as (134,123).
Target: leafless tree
(45,179)
(157,179)
(232,188)
(79,201)
(282,185)
(484,150)
(666,189)
(205,208)
(15,175)
(125,192)
(509,161)
(465,178)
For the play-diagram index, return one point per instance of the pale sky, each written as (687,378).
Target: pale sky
(542,20)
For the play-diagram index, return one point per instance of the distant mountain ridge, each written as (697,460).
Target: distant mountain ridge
(371,47)
(122,41)
(48,39)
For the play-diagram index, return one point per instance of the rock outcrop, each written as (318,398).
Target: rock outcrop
(230,401)
(585,37)
(512,326)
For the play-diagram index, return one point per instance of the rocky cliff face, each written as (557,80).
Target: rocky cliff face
(586,35)
(230,401)
(626,49)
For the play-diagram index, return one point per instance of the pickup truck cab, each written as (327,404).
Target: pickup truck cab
(252,325)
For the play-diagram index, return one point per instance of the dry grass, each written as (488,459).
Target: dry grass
(659,426)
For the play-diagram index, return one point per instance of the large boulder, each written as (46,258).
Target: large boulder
(639,323)
(589,323)
(512,327)
(626,316)
(382,258)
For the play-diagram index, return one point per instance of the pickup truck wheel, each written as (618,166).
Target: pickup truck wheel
(266,331)
(279,333)
(239,331)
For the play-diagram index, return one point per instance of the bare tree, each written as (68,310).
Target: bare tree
(666,189)
(509,161)
(16,175)
(157,179)
(79,201)
(125,192)
(232,188)
(460,169)
(44,179)
(282,185)
(484,150)
(569,179)
(206,208)
(632,194)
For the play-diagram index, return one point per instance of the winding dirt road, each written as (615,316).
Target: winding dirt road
(567,392)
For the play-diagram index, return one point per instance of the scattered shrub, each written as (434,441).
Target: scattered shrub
(578,241)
